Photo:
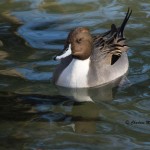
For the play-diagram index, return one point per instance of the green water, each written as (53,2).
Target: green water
(36,115)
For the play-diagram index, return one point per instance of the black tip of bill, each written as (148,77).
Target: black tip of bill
(54,58)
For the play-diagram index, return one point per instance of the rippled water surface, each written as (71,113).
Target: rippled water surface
(36,115)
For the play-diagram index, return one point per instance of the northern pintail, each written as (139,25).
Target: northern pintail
(91,60)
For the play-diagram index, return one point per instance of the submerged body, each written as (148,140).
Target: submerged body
(89,61)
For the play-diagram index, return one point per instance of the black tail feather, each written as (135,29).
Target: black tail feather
(121,28)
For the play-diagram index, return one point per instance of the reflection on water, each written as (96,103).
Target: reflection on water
(95,94)
(37,115)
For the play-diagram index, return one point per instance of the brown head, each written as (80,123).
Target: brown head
(79,43)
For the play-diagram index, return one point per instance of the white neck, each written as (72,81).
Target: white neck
(75,74)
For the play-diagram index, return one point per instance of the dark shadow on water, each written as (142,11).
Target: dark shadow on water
(18,107)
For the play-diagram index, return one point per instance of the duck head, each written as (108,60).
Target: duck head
(79,44)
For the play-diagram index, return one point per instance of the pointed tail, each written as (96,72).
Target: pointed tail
(121,28)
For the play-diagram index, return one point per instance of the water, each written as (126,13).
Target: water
(36,115)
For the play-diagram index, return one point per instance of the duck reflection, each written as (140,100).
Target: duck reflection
(102,93)
(79,109)
(85,115)
(85,112)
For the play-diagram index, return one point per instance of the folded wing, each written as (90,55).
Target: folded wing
(111,43)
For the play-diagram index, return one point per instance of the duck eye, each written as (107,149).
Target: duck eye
(79,40)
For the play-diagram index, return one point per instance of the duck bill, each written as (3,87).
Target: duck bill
(66,52)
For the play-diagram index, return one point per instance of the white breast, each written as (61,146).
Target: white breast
(75,74)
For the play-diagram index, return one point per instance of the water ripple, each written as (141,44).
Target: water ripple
(144,104)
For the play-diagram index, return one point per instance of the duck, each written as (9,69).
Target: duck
(89,60)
